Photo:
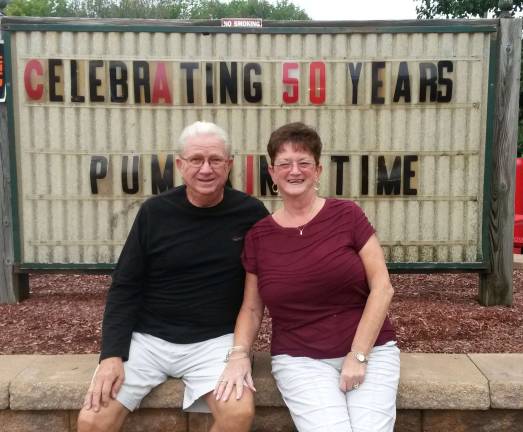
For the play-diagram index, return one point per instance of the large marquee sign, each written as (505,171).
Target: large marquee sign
(403,112)
(202,84)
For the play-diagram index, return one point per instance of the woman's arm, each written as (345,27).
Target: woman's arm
(374,314)
(238,369)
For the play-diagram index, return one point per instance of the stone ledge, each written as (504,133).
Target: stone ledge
(441,381)
(268,419)
(10,367)
(504,373)
(428,382)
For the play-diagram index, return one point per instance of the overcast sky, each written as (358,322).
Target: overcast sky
(358,9)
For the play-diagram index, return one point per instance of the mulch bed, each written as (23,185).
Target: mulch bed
(432,313)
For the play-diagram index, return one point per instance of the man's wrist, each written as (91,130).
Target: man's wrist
(105,356)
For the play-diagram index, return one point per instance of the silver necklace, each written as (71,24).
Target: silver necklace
(302,227)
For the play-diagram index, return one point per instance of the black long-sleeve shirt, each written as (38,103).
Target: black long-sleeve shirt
(179,276)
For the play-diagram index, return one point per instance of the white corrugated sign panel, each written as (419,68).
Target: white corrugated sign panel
(67,135)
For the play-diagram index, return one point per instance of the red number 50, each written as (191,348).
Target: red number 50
(316,82)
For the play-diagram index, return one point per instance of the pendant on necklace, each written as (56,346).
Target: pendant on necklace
(301,230)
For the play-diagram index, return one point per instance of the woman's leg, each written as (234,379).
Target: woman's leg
(310,388)
(372,407)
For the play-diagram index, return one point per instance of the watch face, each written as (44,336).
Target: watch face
(360,357)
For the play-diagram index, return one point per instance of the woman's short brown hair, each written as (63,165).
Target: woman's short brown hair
(299,135)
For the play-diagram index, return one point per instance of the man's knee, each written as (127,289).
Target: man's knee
(87,421)
(105,420)
(235,416)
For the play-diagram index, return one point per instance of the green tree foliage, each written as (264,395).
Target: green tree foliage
(37,8)
(165,9)
(99,8)
(161,9)
(282,10)
(427,9)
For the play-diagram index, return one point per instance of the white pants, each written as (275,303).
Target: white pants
(310,388)
(153,360)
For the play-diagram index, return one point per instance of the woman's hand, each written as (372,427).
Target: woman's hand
(237,373)
(352,373)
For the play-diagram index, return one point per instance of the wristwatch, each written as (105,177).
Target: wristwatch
(361,357)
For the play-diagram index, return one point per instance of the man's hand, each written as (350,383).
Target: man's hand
(106,382)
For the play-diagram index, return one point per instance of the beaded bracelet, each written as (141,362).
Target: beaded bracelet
(228,357)
(237,349)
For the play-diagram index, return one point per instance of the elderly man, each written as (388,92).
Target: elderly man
(176,291)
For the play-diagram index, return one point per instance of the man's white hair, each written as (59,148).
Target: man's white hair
(204,128)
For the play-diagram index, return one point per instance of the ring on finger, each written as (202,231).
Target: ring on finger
(355,385)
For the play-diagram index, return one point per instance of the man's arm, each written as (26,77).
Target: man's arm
(123,302)
(125,294)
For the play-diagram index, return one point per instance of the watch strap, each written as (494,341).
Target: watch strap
(360,356)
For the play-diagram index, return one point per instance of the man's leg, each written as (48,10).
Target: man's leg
(143,371)
(200,366)
(232,415)
(108,419)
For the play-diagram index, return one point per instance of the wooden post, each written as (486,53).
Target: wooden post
(14,287)
(8,288)
(496,286)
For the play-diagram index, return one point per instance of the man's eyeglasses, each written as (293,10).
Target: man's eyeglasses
(285,165)
(197,161)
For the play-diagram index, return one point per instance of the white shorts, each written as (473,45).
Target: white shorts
(152,360)
(310,388)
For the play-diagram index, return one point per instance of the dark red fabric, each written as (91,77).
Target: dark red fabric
(313,284)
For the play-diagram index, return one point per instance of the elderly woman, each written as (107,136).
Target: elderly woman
(317,265)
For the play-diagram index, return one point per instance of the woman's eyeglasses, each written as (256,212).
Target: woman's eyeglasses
(285,165)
